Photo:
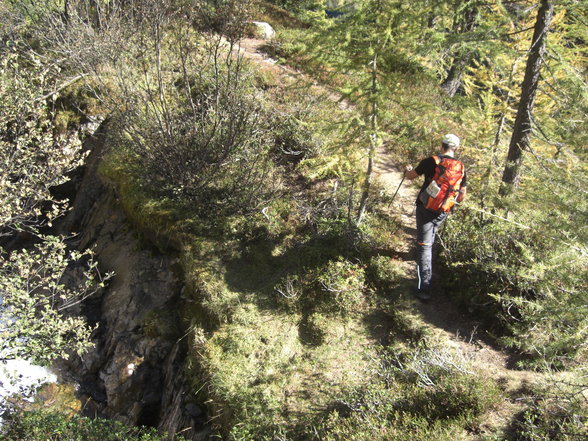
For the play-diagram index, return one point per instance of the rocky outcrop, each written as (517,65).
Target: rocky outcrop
(136,372)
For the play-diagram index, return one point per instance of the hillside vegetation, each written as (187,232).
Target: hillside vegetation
(297,291)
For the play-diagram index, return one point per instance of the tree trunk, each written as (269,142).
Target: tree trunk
(462,57)
(522,129)
(373,141)
(452,83)
(494,150)
(66,11)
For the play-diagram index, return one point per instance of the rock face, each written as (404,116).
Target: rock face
(135,373)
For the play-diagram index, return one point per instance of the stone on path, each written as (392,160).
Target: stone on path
(264,30)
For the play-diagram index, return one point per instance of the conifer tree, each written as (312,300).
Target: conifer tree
(356,45)
(466,21)
(522,129)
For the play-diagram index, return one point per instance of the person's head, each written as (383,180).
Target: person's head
(450,143)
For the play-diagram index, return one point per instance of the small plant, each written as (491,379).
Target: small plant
(37,425)
(383,274)
(341,284)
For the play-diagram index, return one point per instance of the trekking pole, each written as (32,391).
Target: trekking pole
(399,185)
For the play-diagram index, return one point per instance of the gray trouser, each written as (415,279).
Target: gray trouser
(428,222)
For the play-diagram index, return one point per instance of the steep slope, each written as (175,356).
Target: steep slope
(135,374)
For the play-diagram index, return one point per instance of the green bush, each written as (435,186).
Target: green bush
(383,274)
(297,5)
(341,285)
(44,425)
(317,328)
(293,138)
(332,288)
(524,280)
(423,395)
(558,412)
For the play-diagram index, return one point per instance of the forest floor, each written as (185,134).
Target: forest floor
(442,318)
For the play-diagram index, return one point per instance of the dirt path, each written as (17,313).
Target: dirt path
(444,319)
(457,326)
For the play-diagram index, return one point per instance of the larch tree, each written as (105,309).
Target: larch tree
(356,47)
(465,22)
(523,126)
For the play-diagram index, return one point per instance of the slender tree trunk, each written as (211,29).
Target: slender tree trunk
(522,129)
(373,141)
(66,12)
(463,57)
(501,124)
(452,82)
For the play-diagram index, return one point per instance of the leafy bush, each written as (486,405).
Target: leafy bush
(34,158)
(27,141)
(293,138)
(558,412)
(36,297)
(44,425)
(316,328)
(383,274)
(333,288)
(297,5)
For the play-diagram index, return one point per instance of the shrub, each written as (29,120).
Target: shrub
(293,138)
(37,425)
(558,412)
(429,394)
(209,148)
(532,285)
(341,285)
(33,157)
(290,290)
(316,328)
(383,274)
(296,5)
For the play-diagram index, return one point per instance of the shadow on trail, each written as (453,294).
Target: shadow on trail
(443,313)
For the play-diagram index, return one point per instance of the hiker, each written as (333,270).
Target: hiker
(445,182)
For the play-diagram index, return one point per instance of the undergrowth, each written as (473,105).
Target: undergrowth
(49,425)
(515,275)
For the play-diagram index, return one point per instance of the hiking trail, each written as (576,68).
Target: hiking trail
(443,318)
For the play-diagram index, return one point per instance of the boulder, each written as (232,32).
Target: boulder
(263,30)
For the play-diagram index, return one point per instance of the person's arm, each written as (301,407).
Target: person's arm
(463,188)
(462,194)
(409,173)
(426,167)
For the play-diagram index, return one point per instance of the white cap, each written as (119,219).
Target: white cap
(451,140)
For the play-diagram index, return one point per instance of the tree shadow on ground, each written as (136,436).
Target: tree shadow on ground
(260,265)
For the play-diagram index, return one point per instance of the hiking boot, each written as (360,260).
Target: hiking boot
(422,294)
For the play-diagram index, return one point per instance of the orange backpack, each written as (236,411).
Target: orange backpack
(441,193)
